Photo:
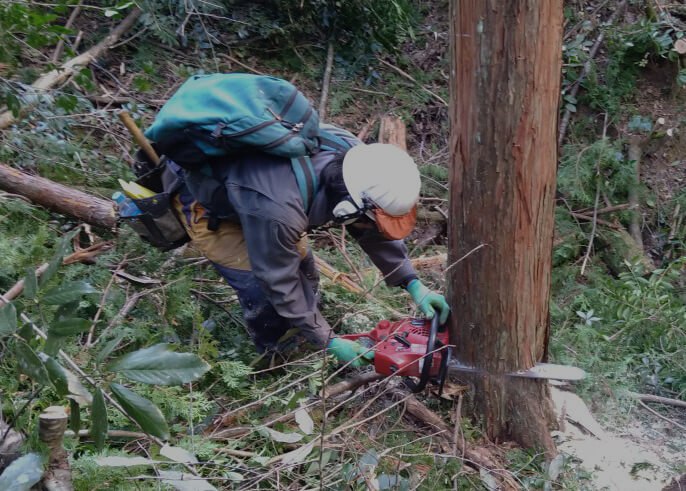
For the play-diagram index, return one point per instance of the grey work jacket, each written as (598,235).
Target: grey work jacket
(263,196)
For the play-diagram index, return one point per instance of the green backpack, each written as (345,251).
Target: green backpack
(220,114)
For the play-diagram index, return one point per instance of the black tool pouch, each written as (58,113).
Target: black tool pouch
(158,222)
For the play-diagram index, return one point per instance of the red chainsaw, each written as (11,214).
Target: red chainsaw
(418,348)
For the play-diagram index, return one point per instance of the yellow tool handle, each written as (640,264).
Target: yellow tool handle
(137,134)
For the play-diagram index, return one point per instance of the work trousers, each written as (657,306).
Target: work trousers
(225,248)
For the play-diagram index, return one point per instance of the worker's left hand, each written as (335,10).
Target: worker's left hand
(428,301)
(346,349)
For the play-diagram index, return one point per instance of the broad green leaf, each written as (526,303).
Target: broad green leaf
(56,260)
(160,365)
(188,482)
(144,412)
(26,332)
(30,284)
(99,419)
(52,345)
(178,454)
(22,474)
(69,327)
(57,375)
(109,348)
(304,421)
(74,416)
(278,436)
(296,456)
(68,293)
(8,319)
(30,364)
(65,311)
(77,391)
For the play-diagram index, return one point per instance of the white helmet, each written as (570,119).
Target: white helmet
(384,174)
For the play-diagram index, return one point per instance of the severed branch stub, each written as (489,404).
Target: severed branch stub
(52,423)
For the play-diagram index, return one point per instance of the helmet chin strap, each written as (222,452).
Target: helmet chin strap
(347,211)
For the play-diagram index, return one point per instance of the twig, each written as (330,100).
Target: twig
(661,416)
(123,312)
(595,207)
(326,81)
(465,256)
(634,154)
(110,434)
(586,218)
(102,302)
(70,22)
(607,209)
(593,229)
(413,80)
(240,63)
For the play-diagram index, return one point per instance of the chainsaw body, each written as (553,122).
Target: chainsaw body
(409,347)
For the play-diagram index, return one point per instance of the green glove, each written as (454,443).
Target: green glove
(346,350)
(428,301)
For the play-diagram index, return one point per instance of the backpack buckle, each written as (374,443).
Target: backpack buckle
(218,130)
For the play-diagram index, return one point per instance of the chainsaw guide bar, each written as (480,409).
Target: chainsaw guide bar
(538,371)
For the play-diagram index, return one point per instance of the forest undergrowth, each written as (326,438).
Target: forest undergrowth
(160,335)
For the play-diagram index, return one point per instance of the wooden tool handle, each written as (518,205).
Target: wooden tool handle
(137,134)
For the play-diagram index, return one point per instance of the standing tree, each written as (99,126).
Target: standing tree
(505,88)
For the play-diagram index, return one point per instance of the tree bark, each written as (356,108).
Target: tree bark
(58,198)
(505,86)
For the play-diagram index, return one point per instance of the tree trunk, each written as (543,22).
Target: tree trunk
(505,86)
(57,197)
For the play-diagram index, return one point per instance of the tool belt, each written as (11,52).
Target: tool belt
(158,223)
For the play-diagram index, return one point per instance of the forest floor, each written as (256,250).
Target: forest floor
(623,324)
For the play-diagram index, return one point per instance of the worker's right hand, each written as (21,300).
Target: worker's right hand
(346,349)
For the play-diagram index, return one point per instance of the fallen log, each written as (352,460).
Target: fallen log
(617,247)
(58,198)
(69,68)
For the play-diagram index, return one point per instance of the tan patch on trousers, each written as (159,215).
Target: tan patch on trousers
(226,245)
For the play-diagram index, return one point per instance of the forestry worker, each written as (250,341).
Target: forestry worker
(259,244)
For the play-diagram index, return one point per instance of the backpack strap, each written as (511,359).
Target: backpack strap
(306,179)
(330,141)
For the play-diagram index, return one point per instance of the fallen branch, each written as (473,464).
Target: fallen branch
(658,399)
(336,276)
(634,154)
(480,456)
(240,63)
(69,68)
(58,198)
(326,81)
(82,255)
(607,209)
(564,123)
(665,418)
(413,80)
(598,221)
(70,22)
(331,391)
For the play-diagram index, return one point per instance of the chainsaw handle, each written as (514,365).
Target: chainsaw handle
(428,359)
